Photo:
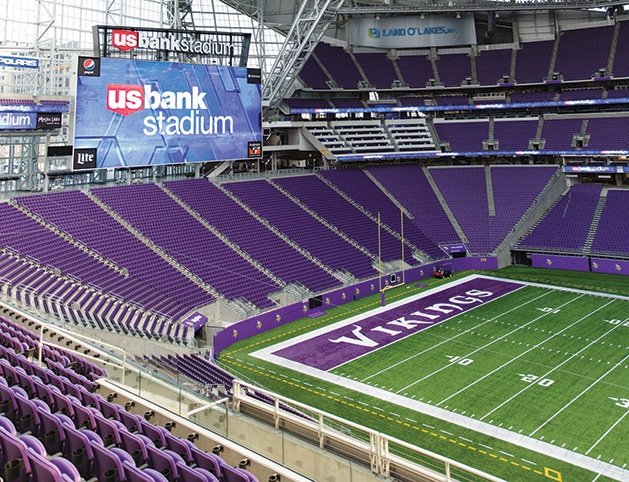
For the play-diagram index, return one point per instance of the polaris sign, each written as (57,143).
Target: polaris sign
(19,62)
(138,113)
(413,32)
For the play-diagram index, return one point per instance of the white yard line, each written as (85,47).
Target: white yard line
(607,433)
(454,337)
(555,368)
(580,394)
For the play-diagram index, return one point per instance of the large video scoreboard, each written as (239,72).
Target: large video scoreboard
(137,113)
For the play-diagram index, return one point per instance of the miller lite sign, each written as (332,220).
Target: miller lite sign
(84,159)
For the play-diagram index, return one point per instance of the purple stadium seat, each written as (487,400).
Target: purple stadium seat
(69,473)
(134,474)
(8,404)
(163,463)
(155,475)
(14,458)
(78,450)
(208,461)
(134,446)
(107,429)
(28,413)
(53,433)
(7,425)
(107,466)
(33,444)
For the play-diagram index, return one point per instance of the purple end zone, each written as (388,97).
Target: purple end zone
(346,343)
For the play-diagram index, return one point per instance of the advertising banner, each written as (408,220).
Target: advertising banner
(19,62)
(138,113)
(454,248)
(571,263)
(412,32)
(593,169)
(611,266)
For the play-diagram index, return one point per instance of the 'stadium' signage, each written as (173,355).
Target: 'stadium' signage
(18,121)
(129,99)
(224,48)
(139,113)
(129,39)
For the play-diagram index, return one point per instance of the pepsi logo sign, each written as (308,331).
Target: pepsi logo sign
(89,64)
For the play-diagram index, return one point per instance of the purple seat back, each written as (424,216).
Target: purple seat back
(179,446)
(186,474)
(162,462)
(79,451)
(15,462)
(52,432)
(107,465)
(230,474)
(42,469)
(67,469)
(7,425)
(134,447)
(152,432)
(134,474)
(208,461)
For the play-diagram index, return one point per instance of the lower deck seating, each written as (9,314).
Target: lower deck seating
(54,429)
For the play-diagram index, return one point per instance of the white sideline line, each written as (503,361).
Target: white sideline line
(514,358)
(582,393)
(454,337)
(562,363)
(606,433)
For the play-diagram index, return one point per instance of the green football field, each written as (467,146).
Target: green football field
(533,385)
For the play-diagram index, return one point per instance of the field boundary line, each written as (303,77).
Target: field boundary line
(562,288)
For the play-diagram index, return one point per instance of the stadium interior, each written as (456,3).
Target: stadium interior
(385,157)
